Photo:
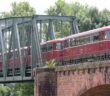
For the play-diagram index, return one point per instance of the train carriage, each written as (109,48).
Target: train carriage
(82,47)
(86,46)
(52,50)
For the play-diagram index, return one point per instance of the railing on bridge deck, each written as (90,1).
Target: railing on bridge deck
(20,39)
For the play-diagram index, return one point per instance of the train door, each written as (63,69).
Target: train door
(66,51)
(44,50)
(49,54)
(57,53)
(95,44)
(102,43)
(107,38)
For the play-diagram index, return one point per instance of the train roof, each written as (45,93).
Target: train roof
(85,33)
(12,50)
(52,41)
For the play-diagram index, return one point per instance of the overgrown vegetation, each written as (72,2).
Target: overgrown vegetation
(51,64)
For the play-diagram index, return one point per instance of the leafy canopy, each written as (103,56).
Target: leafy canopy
(20,9)
(87,17)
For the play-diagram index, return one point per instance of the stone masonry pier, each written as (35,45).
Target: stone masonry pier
(85,79)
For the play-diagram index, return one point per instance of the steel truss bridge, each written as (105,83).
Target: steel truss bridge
(20,39)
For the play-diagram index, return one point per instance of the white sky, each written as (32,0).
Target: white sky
(42,5)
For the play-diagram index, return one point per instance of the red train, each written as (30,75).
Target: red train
(11,63)
(82,47)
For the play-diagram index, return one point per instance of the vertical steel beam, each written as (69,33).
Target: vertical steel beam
(40,31)
(14,46)
(22,41)
(34,46)
(36,40)
(19,48)
(50,30)
(74,26)
(62,32)
(3,55)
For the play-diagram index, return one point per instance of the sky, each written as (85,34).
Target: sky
(42,5)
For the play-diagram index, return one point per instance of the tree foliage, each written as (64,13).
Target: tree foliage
(5,90)
(24,89)
(87,17)
(20,9)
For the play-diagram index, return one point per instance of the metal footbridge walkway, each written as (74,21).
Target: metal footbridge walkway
(20,39)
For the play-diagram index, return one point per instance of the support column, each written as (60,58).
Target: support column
(74,26)
(16,31)
(45,82)
(51,33)
(3,54)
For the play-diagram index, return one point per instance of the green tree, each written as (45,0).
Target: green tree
(24,89)
(87,17)
(5,90)
(20,9)
(105,17)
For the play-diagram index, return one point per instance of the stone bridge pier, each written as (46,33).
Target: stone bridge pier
(87,79)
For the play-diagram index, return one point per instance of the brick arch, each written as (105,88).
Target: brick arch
(102,90)
(76,82)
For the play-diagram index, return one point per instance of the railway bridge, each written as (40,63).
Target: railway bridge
(21,59)
(84,79)
(20,38)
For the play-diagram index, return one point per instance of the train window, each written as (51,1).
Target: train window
(58,46)
(0,57)
(72,42)
(44,48)
(82,41)
(102,35)
(16,53)
(29,50)
(22,52)
(26,51)
(10,54)
(87,40)
(107,36)
(49,47)
(96,37)
(78,41)
(66,43)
